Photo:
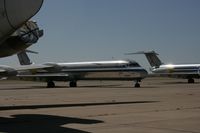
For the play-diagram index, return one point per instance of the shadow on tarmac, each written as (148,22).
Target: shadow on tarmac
(22,107)
(34,123)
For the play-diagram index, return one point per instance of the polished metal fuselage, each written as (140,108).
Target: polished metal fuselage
(184,70)
(98,70)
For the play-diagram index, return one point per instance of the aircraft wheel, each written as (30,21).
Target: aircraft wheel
(137,85)
(72,84)
(190,80)
(50,84)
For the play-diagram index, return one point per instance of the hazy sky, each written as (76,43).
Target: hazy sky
(87,30)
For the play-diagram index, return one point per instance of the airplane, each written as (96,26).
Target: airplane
(185,71)
(16,32)
(74,71)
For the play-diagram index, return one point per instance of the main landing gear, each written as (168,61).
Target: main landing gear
(190,80)
(72,84)
(137,84)
(50,84)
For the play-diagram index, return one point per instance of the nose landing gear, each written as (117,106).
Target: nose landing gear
(137,84)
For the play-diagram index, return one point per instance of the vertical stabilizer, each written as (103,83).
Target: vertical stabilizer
(152,58)
(23,58)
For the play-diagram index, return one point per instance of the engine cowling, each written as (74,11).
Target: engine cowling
(22,38)
(6,71)
(14,13)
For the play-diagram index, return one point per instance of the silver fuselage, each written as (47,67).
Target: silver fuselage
(182,71)
(97,70)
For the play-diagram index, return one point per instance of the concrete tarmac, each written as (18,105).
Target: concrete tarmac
(161,105)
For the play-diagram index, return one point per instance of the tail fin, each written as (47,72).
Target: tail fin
(23,58)
(151,56)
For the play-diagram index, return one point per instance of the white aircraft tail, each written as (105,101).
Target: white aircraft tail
(151,56)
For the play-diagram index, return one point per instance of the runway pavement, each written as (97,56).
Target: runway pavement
(161,105)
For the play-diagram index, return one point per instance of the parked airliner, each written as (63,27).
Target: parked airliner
(75,71)
(186,71)
(16,31)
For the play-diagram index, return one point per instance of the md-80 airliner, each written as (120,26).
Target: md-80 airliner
(75,71)
(186,71)
(16,31)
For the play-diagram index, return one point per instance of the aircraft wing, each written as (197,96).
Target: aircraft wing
(43,71)
(32,67)
(44,75)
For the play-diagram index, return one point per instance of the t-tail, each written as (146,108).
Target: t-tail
(151,56)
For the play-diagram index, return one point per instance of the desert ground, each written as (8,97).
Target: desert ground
(161,105)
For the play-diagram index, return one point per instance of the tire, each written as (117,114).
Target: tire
(72,84)
(137,85)
(50,84)
(190,81)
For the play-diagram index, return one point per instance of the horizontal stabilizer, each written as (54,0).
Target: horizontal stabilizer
(151,56)
(143,52)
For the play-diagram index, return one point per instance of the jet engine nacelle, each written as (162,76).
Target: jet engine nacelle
(22,38)
(14,13)
(6,71)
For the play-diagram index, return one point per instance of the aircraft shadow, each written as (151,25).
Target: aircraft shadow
(4,108)
(36,123)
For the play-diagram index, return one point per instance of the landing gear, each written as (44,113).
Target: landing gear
(137,85)
(190,80)
(72,84)
(50,84)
